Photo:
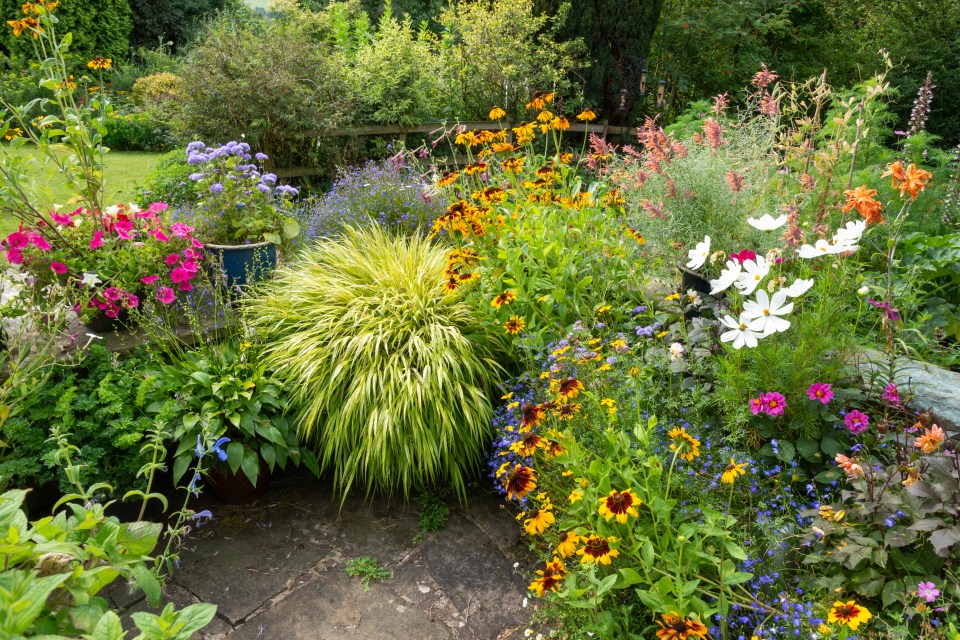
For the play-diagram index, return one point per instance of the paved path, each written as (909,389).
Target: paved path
(275,569)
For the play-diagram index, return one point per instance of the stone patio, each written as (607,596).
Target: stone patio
(275,569)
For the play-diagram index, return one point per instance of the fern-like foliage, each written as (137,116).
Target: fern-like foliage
(391,374)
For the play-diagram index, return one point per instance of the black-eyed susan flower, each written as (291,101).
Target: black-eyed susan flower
(848,614)
(597,550)
(683,444)
(506,297)
(568,544)
(518,481)
(465,138)
(528,444)
(545,116)
(586,116)
(567,410)
(560,123)
(569,388)
(451,283)
(99,63)
(539,519)
(575,496)
(514,165)
(550,578)
(677,627)
(565,158)
(448,178)
(12,133)
(476,167)
(531,414)
(492,194)
(496,113)
(514,325)
(733,470)
(619,505)
(502,147)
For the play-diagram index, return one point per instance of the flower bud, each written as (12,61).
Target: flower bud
(863,291)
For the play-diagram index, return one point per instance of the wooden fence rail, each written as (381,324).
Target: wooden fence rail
(603,129)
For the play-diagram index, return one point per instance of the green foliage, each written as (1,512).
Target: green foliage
(276,82)
(175,21)
(367,569)
(434,514)
(169,182)
(99,28)
(55,568)
(393,376)
(497,54)
(931,266)
(137,131)
(223,391)
(101,400)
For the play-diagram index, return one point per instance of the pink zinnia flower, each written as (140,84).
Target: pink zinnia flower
(856,421)
(166,295)
(172,259)
(97,241)
(820,392)
(149,279)
(58,267)
(891,394)
(774,403)
(756,405)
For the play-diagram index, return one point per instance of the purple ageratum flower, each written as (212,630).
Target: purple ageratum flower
(928,591)
(263,188)
(269,178)
(820,392)
(196,176)
(891,395)
(261,157)
(774,403)
(856,422)
(216,188)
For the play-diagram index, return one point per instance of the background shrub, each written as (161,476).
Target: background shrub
(99,27)
(392,376)
(169,182)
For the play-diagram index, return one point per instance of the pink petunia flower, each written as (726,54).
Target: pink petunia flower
(756,405)
(891,395)
(58,267)
(820,392)
(743,256)
(179,275)
(14,255)
(112,294)
(856,421)
(124,229)
(180,230)
(97,240)
(166,295)
(39,242)
(172,259)
(132,301)
(61,219)
(774,403)
(149,279)
(17,240)
(160,235)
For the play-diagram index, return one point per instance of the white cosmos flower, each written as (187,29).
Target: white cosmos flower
(851,232)
(90,280)
(821,248)
(727,277)
(769,310)
(767,222)
(743,332)
(753,272)
(698,255)
(798,288)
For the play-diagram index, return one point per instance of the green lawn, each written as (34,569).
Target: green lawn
(124,171)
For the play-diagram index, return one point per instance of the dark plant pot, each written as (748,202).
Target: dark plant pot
(690,279)
(242,264)
(102,323)
(236,488)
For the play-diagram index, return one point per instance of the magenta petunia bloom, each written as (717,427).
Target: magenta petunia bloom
(774,403)
(15,255)
(166,295)
(172,259)
(180,275)
(40,242)
(17,240)
(928,591)
(58,267)
(820,392)
(891,394)
(743,256)
(756,405)
(856,421)
(149,279)
(97,241)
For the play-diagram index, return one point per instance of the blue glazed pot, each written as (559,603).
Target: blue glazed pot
(243,264)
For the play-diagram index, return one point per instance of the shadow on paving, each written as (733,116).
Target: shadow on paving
(275,569)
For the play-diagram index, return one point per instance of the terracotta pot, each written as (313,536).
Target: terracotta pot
(236,488)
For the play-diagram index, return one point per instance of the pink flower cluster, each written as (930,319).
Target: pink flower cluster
(771,403)
(820,392)
(111,257)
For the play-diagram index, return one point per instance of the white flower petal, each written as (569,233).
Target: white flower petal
(699,254)
(798,288)
(727,277)
(767,222)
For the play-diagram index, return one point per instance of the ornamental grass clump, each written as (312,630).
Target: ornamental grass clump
(391,373)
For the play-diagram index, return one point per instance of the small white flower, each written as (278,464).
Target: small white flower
(527,632)
(743,332)
(798,288)
(694,298)
(769,310)
(727,277)
(863,291)
(90,280)
(767,222)
(821,248)
(516,564)
(525,606)
(850,234)
(699,254)
(753,273)
(676,351)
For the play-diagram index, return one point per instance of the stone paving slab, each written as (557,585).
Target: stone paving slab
(275,569)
